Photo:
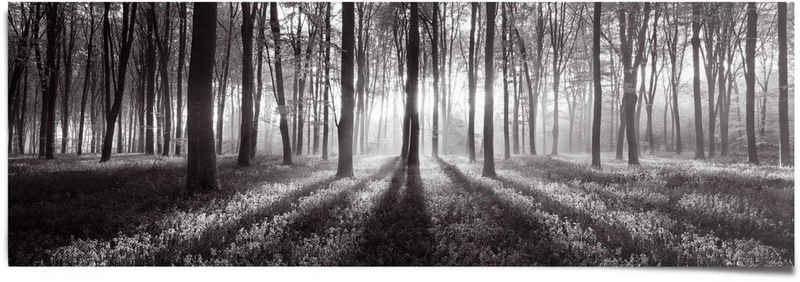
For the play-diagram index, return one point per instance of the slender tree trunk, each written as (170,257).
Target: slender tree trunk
(750,77)
(698,109)
(472,84)
(128,23)
(179,81)
(783,88)
(325,104)
(87,78)
(505,47)
(435,57)
(223,84)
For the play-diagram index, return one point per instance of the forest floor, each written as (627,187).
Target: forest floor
(538,211)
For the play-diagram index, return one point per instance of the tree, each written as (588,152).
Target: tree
(698,109)
(472,84)
(48,74)
(598,89)
(164,52)
(245,139)
(505,52)
(67,49)
(412,67)
(179,81)
(327,81)
(87,78)
(345,163)
(128,22)
(435,56)
(560,34)
(222,81)
(488,109)
(280,98)
(750,77)
(150,72)
(632,26)
(675,52)
(201,161)
(783,100)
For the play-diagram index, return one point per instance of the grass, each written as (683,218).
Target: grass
(538,211)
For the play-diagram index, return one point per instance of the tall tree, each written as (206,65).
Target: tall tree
(412,80)
(327,81)
(472,83)
(345,163)
(633,29)
(750,77)
(49,81)
(435,56)
(562,32)
(697,18)
(280,98)
(87,77)
(245,154)
(675,52)
(67,48)
(222,81)
(150,72)
(179,80)
(201,161)
(488,88)
(783,88)
(505,51)
(598,89)
(128,22)
(164,39)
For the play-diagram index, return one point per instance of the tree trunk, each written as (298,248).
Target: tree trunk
(201,161)
(472,84)
(87,79)
(128,23)
(435,57)
(698,108)
(504,44)
(488,109)
(598,89)
(179,81)
(783,88)
(246,130)
(166,105)
(750,77)
(412,83)
(345,163)
(222,83)
(325,105)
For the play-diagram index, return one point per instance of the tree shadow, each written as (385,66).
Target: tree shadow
(726,228)
(398,231)
(539,247)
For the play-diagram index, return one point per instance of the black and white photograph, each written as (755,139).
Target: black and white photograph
(614,135)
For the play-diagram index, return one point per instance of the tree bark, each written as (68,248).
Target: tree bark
(783,88)
(128,23)
(472,84)
(179,81)
(698,109)
(488,109)
(345,163)
(750,77)
(598,89)
(246,131)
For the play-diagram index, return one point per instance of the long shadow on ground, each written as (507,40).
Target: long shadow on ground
(398,232)
(310,222)
(724,227)
(540,249)
(101,204)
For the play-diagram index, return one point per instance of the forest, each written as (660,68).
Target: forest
(439,133)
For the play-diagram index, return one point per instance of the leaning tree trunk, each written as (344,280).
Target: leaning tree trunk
(128,23)
(284,126)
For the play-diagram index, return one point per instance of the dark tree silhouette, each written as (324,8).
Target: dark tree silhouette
(179,80)
(750,77)
(280,98)
(598,89)
(245,153)
(488,108)
(412,80)
(128,22)
(697,18)
(472,83)
(201,161)
(783,88)
(345,164)
(325,104)
(87,78)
